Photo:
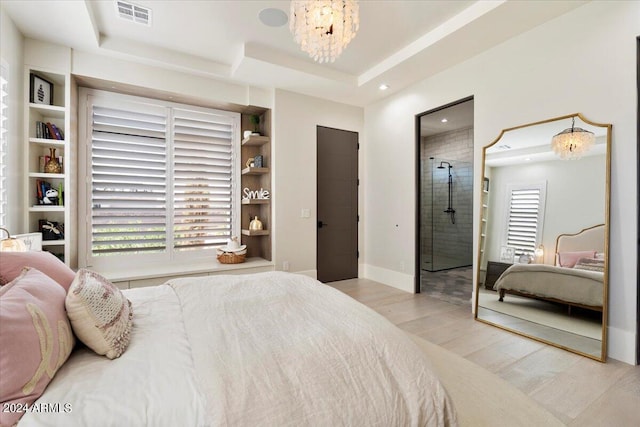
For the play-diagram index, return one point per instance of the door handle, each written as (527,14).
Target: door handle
(321,224)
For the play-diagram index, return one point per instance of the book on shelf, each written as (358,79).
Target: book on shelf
(48,130)
(56,132)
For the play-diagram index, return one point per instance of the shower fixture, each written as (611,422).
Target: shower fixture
(450,211)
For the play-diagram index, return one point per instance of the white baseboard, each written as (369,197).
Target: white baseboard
(392,278)
(621,345)
(311,273)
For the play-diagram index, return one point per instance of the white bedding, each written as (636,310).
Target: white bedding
(270,349)
(151,384)
(566,284)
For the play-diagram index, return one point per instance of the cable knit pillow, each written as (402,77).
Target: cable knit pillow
(100,315)
(35,339)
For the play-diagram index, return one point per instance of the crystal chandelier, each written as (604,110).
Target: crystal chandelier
(323,28)
(573,142)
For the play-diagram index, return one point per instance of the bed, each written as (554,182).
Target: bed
(576,279)
(248,350)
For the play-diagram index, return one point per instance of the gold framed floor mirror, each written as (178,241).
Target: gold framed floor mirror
(543,256)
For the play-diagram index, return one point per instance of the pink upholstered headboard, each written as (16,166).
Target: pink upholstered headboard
(589,239)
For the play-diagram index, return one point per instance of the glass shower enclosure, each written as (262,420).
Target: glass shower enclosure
(446,223)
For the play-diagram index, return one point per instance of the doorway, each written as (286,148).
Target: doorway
(444,217)
(337,204)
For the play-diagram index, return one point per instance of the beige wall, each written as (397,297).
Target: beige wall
(583,61)
(295,120)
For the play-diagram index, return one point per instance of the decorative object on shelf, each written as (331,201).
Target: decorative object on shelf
(525,258)
(507,254)
(255,120)
(53,165)
(246,134)
(258,161)
(572,142)
(32,241)
(51,230)
(255,224)
(46,194)
(250,162)
(50,197)
(323,29)
(11,244)
(253,194)
(41,90)
(43,160)
(232,253)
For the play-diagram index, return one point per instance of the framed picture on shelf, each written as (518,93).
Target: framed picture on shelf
(507,253)
(41,90)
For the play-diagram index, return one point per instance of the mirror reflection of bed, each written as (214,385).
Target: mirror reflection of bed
(559,303)
(553,214)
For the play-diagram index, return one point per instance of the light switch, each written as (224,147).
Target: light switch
(305,213)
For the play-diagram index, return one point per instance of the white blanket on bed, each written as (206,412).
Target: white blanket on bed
(278,349)
(270,349)
(151,384)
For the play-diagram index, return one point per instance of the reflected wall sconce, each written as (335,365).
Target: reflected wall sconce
(539,254)
(573,142)
(11,244)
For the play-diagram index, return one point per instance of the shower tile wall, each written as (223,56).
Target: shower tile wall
(452,244)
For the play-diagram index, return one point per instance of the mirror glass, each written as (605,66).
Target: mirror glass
(543,254)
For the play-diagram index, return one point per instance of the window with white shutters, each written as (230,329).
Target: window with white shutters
(128,181)
(525,216)
(162,179)
(3,142)
(202,179)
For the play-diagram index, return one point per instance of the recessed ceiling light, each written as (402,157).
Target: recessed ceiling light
(528,159)
(444,120)
(273,17)
(383,86)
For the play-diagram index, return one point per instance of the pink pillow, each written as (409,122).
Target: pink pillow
(12,263)
(36,339)
(569,259)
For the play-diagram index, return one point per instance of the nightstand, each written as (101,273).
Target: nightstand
(494,270)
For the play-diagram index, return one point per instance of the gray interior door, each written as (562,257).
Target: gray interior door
(337,192)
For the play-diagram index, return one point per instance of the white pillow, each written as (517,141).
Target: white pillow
(100,315)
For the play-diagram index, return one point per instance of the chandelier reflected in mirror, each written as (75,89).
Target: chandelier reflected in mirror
(572,142)
(324,28)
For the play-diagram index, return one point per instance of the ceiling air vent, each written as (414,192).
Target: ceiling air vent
(132,12)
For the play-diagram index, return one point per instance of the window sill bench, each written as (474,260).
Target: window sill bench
(156,276)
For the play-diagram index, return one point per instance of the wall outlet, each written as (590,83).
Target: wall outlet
(305,213)
(285,266)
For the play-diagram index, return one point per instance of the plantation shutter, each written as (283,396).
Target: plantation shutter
(202,179)
(523,224)
(3,144)
(128,179)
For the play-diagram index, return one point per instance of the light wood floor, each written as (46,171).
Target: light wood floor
(577,390)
